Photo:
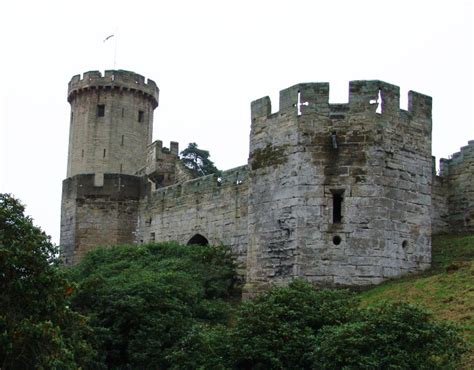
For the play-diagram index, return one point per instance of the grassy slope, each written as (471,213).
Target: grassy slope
(447,289)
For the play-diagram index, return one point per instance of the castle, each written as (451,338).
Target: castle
(339,194)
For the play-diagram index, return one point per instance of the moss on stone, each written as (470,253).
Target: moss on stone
(268,156)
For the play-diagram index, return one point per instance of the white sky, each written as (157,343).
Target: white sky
(210,59)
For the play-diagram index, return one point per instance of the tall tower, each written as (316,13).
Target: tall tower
(111,126)
(339,194)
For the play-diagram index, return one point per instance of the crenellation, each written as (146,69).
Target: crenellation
(174,148)
(454,189)
(117,79)
(364,96)
(289,99)
(340,194)
(261,108)
(419,105)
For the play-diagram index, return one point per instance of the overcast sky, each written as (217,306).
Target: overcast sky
(210,59)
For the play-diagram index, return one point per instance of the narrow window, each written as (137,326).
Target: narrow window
(152,237)
(82,153)
(104,152)
(123,111)
(101,110)
(337,199)
(72,116)
(121,167)
(122,140)
(141,115)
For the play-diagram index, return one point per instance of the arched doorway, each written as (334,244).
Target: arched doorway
(198,239)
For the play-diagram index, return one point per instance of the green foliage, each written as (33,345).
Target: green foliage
(394,336)
(204,347)
(278,328)
(198,160)
(447,289)
(37,329)
(143,300)
(299,327)
(449,250)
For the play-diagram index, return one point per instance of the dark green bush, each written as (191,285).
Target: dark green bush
(395,336)
(278,329)
(143,300)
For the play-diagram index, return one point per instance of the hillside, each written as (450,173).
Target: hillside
(447,289)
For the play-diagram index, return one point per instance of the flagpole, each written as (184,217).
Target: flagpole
(115,48)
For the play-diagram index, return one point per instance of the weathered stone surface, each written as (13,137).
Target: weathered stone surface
(347,151)
(98,215)
(115,140)
(339,194)
(454,192)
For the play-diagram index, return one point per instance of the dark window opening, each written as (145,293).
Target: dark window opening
(198,239)
(122,140)
(121,167)
(141,116)
(337,240)
(123,111)
(101,110)
(82,153)
(72,116)
(105,151)
(337,199)
(152,237)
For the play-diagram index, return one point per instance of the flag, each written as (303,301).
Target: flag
(108,37)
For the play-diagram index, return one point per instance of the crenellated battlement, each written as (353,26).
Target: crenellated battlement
(338,194)
(161,163)
(233,177)
(113,79)
(364,96)
(466,154)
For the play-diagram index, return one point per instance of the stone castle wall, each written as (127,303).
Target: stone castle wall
(455,186)
(98,210)
(339,194)
(379,165)
(214,207)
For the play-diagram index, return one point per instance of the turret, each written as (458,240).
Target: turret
(110,130)
(111,122)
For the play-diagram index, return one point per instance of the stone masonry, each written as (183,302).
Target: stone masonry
(338,194)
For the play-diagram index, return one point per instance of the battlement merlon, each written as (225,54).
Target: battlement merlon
(121,79)
(465,154)
(363,96)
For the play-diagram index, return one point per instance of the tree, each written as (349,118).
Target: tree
(142,300)
(37,329)
(198,160)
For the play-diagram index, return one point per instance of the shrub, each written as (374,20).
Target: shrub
(395,336)
(278,329)
(142,300)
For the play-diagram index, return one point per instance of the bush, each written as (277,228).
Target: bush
(397,336)
(143,300)
(278,329)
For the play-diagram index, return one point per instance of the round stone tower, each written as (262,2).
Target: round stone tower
(111,122)
(110,129)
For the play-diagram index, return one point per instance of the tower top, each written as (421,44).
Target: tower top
(113,79)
